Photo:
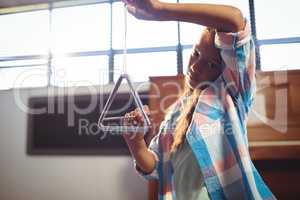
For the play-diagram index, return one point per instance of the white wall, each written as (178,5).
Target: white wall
(57,177)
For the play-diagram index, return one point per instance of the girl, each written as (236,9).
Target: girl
(201,150)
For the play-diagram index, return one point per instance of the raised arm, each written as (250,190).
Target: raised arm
(221,17)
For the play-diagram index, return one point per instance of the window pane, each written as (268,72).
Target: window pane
(141,33)
(141,66)
(90,70)
(24,33)
(23,77)
(190,33)
(277,19)
(185,58)
(81,28)
(280,57)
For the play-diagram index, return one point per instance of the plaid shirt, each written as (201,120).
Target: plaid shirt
(217,133)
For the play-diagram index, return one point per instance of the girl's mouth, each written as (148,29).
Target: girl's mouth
(190,79)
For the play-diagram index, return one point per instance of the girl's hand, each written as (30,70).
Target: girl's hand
(145,160)
(143,9)
(135,119)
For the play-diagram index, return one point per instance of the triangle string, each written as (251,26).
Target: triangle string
(133,92)
(124,69)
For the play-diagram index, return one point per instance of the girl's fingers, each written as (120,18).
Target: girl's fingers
(139,12)
(138,116)
(126,120)
(135,117)
(131,9)
(146,109)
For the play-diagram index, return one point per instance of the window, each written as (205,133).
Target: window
(185,57)
(80,28)
(23,73)
(280,57)
(77,71)
(85,30)
(23,77)
(81,42)
(142,65)
(279,20)
(24,34)
(24,47)
(59,47)
(278,34)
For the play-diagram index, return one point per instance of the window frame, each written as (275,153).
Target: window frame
(111,53)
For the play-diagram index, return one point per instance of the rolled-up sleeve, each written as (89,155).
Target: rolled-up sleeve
(238,55)
(156,146)
(154,149)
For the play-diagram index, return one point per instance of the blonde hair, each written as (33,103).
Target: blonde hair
(188,108)
(185,117)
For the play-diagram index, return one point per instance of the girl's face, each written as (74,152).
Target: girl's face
(204,63)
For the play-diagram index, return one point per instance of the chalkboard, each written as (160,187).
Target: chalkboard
(68,125)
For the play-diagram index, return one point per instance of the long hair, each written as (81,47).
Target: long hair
(185,117)
(188,108)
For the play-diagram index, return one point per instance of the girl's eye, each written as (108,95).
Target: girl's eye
(196,53)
